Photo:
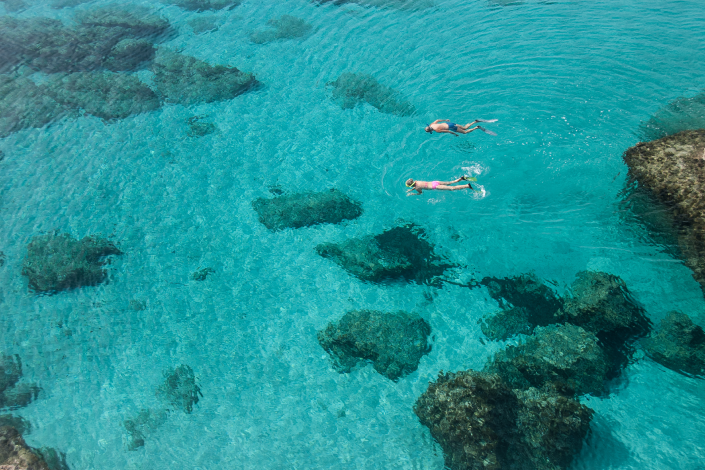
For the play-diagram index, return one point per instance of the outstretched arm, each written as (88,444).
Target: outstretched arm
(445,131)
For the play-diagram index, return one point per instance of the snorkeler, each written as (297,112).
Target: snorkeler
(418,186)
(440,126)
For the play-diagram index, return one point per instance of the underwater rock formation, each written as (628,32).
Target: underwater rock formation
(204,23)
(49,46)
(202,5)
(15,454)
(393,342)
(14,394)
(673,170)
(202,274)
(24,105)
(483,424)
(57,262)
(679,344)
(306,209)
(399,253)
(527,301)
(14,5)
(351,89)
(17,422)
(106,95)
(179,389)
(680,115)
(196,128)
(142,425)
(67,3)
(283,27)
(54,459)
(564,355)
(186,80)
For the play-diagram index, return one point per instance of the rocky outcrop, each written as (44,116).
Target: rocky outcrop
(283,27)
(527,301)
(13,393)
(680,115)
(306,209)
(138,21)
(103,94)
(672,169)
(58,262)
(15,454)
(393,342)
(563,356)
(351,89)
(400,253)
(24,105)
(178,392)
(481,423)
(202,5)
(186,80)
(678,344)
(17,422)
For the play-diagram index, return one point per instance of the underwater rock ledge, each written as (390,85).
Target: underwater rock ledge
(678,344)
(393,342)
(673,170)
(306,209)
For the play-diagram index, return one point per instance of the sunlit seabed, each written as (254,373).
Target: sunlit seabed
(570,83)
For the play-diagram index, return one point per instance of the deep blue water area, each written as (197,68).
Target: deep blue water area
(569,81)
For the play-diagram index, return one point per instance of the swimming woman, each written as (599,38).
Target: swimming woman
(419,186)
(444,126)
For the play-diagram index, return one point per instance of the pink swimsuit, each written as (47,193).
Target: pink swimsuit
(434,184)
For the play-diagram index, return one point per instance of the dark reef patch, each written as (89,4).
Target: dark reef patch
(481,423)
(14,5)
(179,389)
(678,344)
(186,80)
(204,23)
(672,169)
(565,356)
(13,393)
(351,89)
(202,274)
(24,105)
(138,21)
(283,27)
(400,253)
(141,426)
(683,114)
(197,128)
(103,94)
(17,422)
(202,5)
(58,262)
(306,209)
(393,342)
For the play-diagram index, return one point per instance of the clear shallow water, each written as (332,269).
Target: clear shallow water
(570,83)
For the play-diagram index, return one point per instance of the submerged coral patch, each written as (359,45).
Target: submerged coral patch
(680,115)
(283,27)
(58,262)
(103,94)
(679,344)
(306,209)
(351,89)
(400,253)
(201,5)
(481,423)
(179,389)
(186,80)
(393,342)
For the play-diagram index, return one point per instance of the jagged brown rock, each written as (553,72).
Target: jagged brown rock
(15,454)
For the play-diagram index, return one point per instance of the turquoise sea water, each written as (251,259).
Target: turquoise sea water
(569,81)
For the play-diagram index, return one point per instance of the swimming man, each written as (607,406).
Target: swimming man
(419,186)
(440,126)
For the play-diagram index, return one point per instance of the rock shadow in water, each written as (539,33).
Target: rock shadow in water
(400,253)
(57,262)
(393,342)
(352,89)
(481,423)
(306,209)
(678,344)
(680,115)
(186,80)
(283,27)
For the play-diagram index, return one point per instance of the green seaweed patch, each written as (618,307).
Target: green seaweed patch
(186,80)
(202,274)
(351,89)
(394,342)
(179,389)
(58,262)
(400,253)
(283,27)
(306,209)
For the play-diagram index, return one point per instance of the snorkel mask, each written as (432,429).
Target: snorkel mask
(428,129)
(410,185)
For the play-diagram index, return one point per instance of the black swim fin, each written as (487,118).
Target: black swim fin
(486,131)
